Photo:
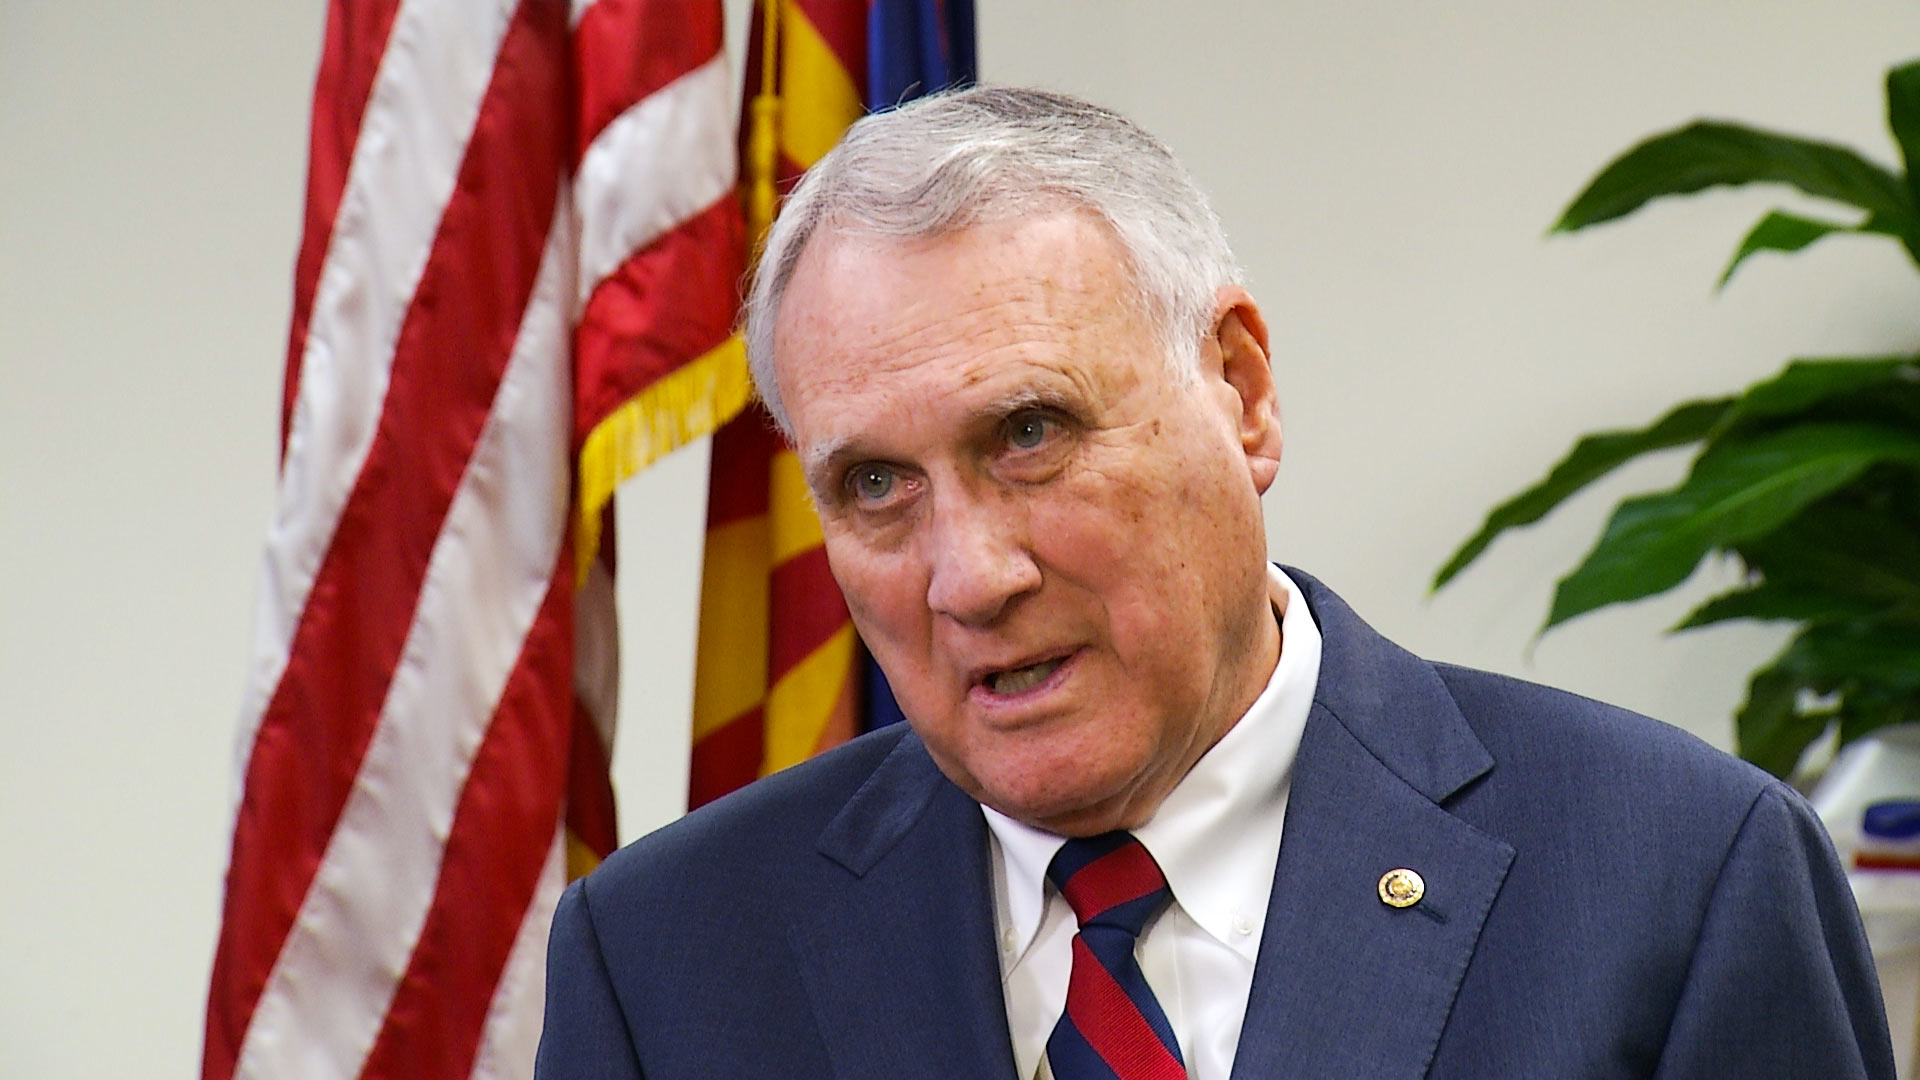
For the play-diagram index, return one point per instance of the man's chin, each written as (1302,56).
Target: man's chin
(1062,786)
(1073,813)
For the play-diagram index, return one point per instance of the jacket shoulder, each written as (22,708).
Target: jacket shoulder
(689,924)
(1555,741)
(751,832)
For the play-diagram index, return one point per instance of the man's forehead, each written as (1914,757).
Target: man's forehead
(1058,256)
(895,300)
(955,403)
(883,343)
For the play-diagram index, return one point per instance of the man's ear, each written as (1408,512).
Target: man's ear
(1241,334)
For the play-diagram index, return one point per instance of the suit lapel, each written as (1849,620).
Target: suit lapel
(895,935)
(896,946)
(1347,985)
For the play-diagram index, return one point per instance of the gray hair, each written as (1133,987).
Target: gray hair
(988,154)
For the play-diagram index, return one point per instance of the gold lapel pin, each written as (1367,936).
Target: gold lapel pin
(1401,888)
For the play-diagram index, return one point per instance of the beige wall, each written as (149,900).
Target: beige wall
(1386,170)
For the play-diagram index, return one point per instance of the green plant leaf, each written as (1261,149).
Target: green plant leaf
(1873,666)
(1845,550)
(1591,458)
(1903,117)
(1769,601)
(1878,654)
(1769,729)
(1805,384)
(1737,490)
(1864,712)
(1707,154)
(1788,233)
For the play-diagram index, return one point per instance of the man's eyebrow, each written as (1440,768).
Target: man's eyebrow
(825,459)
(1026,397)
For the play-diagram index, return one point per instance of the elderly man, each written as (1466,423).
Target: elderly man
(1164,810)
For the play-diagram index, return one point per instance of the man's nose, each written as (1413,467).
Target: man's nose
(979,555)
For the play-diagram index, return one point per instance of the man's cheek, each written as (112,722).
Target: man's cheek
(872,581)
(1099,525)
(892,617)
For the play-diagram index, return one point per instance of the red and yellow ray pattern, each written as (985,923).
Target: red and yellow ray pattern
(776,675)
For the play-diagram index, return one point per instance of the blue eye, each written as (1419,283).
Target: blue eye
(1027,430)
(872,482)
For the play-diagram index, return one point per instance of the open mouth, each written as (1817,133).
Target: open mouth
(1020,680)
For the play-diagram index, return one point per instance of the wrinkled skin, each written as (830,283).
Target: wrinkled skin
(1010,473)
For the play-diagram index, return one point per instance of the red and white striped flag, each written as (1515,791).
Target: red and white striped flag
(515,288)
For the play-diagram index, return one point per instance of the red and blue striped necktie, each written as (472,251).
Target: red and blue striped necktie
(1113,1028)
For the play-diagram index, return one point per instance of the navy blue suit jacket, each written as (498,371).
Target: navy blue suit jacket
(1606,897)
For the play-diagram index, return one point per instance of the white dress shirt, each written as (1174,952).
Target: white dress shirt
(1217,839)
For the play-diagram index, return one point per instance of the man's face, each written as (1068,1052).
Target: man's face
(1050,541)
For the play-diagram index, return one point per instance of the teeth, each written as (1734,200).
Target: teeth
(1021,679)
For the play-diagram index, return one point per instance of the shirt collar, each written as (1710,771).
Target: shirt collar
(1217,835)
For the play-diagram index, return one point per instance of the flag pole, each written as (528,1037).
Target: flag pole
(763,141)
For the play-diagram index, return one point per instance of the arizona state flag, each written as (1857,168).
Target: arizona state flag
(779,674)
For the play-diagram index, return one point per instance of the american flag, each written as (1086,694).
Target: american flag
(515,288)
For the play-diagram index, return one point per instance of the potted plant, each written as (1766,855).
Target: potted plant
(1810,479)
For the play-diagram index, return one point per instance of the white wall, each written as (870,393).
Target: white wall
(1387,172)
